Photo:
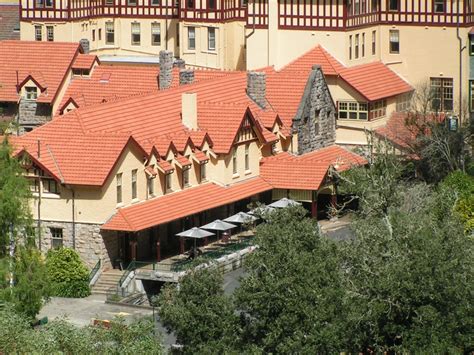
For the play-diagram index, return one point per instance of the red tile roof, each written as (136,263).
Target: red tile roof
(34,59)
(85,61)
(307,171)
(181,204)
(200,156)
(375,81)
(316,56)
(9,22)
(182,161)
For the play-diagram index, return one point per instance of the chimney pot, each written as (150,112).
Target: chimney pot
(256,87)
(189,110)
(166,69)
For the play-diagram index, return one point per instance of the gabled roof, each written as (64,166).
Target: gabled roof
(85,61)
(180,204)
(375,81)
(307,171)
(34,59)
(317,55)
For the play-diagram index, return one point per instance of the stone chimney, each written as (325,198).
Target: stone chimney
(256,87)
(85,45)
(189,110)
(166,69)
(179,63)
(186,76)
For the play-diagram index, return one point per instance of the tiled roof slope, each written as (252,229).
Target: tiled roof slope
(375,81)
(319,56)
(307,171)
(9,22)
(183,203)
(34,59)
(84,61)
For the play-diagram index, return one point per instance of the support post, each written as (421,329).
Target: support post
(181,245)
(314,204)
(133,246)
(158,249)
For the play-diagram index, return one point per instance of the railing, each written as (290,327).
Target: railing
(95,270)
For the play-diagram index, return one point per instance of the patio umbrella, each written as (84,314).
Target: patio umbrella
(283,203)
(241,217)
(219,225)
(195,233)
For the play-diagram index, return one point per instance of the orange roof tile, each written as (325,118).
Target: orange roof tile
(182,161)
(35,59)
(307,171)
(181,204)
(85,61)
(165,167)
(200,156)
(316,56)
(375,81)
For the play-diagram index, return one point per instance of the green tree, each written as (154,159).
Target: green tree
(68,275)
(199,313)
(292,299)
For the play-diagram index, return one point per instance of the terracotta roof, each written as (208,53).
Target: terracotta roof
(150,170)
(180,204)
(200,157)
(182,161)
(9,22)
(84,61)
(316,56)
(34,59)
(307,171)
(375,81)
(165,167)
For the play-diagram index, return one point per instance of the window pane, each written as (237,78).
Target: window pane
(155,34)
(191,38)
(211,38)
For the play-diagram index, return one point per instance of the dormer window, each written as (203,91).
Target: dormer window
(31,93)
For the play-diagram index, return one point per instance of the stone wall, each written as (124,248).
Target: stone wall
(34,114)
(186,76)
(92,244)
(315,121)
(256,87)
(166,69)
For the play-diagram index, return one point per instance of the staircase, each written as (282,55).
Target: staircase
(107,280)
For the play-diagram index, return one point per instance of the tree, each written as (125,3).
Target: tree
(199,313)
(292,299)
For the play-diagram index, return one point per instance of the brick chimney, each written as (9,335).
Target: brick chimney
(186,76)
(189,110)
(166,69)
(256,87)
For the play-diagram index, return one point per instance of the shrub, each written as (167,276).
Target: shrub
(69,276)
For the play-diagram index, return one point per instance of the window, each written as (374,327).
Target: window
(50,186)
(191,38)
(211,38)
(356,46)
(363,45)
(378,109)
(190,4)
(151,186)
(132,2)
(155,2)
(374,39)
(109,33)
(134,184)
(203,172)
(356,7)
(211,4)
(439,6)
(135,34)
(100,34)
(93,35)
(56,238)
(109,2)
(403,102)
(39,3)
(442,92)
(155,34)
(350,47)
(185,177)
(471,96)
(49,3)
(353,110)
(31,92)
(168,182)
(394,41)
(119,188)
(38,33)
(393,5)
(234,161)
(50,33)
(247,157)
(34,185)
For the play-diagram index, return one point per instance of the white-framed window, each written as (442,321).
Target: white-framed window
(350,47)
(50,33)
(135,34)
(203,172)
(185,177)
(378,109)
(38,33)
(234,161)
(50,186)
(356,46)
(191,38)
(57,240)
(247,157)
(211,38)
(109,33)
(404,102)
(168,182)
(31,92)
(363,45)
(374,42)
(394,41)
(109,2)
(155,34)
(119,188)
(443,94)
(134,184)
(151,186)
(439,6)
(352,110)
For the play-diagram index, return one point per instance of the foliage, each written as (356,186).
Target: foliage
(199,313)
(62,337)
(463,185)
(31,283)
(292,299)
(14,197)
(68,275)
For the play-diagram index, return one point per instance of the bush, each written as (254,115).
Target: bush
(69,276)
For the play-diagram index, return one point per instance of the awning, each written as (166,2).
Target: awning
(165,167)
(180,204)
(182,161)
(200,157)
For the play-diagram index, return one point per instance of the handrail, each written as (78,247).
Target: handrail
(131,267)
(95,270)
